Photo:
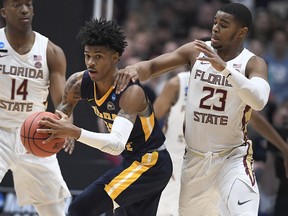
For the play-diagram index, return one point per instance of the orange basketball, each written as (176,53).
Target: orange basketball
(32,140)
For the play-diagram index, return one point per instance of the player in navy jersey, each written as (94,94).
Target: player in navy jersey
(136,184)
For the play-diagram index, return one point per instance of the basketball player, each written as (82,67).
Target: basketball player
(136,184)
(30,65)
(226,83)
(170,106)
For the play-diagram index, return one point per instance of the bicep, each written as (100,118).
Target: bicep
(133,102)
(57,72)
(257,67)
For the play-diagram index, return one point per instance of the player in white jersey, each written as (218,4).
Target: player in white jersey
(171,103)
(30,67)
(227,82)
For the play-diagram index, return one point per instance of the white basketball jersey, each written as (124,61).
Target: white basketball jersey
(216,117)
(175,141)
(24,81)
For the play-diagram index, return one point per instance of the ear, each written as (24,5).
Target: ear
(3,12)
(116,57)
(243,32)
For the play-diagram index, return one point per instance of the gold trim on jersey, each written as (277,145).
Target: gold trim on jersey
(131,174)
(246,117)
(248,163)
(102,99)
(147,125)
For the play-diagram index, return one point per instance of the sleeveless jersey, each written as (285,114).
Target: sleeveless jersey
(24,81)
(174,126)
(216,118)
(146,134)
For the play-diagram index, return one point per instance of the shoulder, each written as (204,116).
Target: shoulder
(173,82)
(257,66)
(74,80)
(53,49)
(133,99)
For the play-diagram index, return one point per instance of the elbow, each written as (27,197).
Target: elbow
(113,148)
(255,100)
(258,106)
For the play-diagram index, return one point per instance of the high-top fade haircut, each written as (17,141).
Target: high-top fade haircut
(104,33)
(241,13)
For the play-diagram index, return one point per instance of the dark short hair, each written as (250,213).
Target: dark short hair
(104,33)
(241,13)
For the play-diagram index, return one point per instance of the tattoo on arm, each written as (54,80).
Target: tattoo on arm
(126,115)
(72,94)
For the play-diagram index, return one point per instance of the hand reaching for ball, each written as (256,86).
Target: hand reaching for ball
(58,128)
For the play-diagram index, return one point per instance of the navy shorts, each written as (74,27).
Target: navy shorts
(136,186)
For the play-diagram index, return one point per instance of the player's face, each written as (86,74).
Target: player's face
(100,62)
(18,13)
(225,31)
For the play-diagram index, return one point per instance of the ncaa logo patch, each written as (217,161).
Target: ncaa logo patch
(113,97)
(2,44)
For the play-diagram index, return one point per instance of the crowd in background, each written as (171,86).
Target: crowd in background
(154,27)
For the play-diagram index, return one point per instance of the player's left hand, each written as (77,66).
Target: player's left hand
(209,56)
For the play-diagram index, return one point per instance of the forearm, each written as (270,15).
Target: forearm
(112,143)
(254,92)
(266,130)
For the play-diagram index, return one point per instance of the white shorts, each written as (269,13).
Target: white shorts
(214,179)
(169,200)
(36,180)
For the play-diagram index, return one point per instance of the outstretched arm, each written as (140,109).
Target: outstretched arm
(183,56)
(266,130)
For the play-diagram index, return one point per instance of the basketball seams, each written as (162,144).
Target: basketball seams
(29,139)
(32,140)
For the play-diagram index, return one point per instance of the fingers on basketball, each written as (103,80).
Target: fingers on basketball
(32,140)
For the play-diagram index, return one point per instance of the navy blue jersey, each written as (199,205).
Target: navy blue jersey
(146,134)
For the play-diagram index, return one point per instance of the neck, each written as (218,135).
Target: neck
(105,84)
(21,41)
(230,53)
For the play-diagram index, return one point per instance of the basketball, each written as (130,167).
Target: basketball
(32,140)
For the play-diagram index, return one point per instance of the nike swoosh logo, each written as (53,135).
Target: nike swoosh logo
(241,203)
(1,56)
(204,62)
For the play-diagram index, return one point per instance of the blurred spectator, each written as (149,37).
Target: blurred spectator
(277,60)
(280,121)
